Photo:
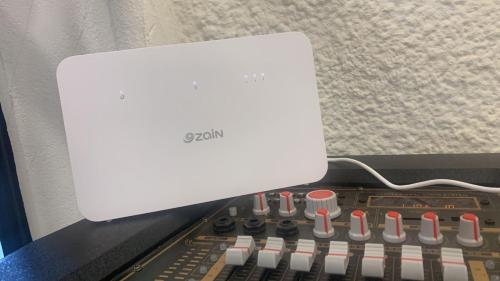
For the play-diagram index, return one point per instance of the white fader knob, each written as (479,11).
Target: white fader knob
(453,265)
(429,229)
(468,232)
(337,259)
(271,255)
(412,263)
(260,206)
(287,207)
(373,262)
(322,198)
(359,226)
(242,250)
(322,224)
(393,229)
(303,258)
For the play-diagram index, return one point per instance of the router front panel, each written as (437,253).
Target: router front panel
(163,127)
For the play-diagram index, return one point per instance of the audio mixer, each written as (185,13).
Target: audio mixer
(320,232)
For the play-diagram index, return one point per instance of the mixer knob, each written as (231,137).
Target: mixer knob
(393,230)
(322,224)
(303,258)
(273,251)
(453,265)
(242,250)
(260,206)
(287,206)
(359,226)
(337,259)
(468,231)
(373,263)
(429,229)
(322,198)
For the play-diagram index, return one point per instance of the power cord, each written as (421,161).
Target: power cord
(417,184)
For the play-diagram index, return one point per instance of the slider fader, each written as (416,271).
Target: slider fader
(337,233)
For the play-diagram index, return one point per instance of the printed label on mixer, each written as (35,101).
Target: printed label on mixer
(423,202)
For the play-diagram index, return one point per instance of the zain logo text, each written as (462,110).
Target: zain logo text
(203,136)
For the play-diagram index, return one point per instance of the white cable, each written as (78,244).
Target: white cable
(417,184)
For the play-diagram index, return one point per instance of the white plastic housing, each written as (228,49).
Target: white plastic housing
(163,127)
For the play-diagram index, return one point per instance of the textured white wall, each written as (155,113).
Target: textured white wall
(394,76)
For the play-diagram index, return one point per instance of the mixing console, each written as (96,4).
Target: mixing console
(337,233)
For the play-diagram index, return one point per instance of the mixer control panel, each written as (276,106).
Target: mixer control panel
(337,233)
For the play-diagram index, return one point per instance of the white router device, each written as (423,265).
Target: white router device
(163,127)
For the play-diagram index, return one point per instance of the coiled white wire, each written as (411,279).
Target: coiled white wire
(417,184)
